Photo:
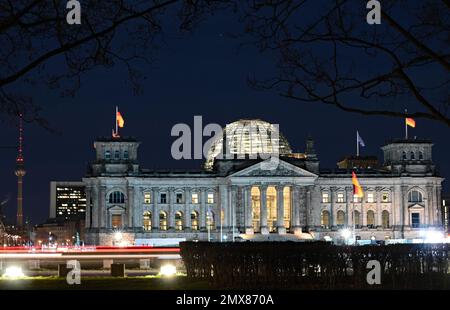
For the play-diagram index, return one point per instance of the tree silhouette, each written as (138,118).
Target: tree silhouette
(328,54)
(32,32)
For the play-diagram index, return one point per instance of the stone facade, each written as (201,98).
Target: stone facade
(288,198)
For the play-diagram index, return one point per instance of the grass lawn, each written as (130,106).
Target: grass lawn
(103,283)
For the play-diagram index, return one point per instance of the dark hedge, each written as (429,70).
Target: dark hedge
(315,265)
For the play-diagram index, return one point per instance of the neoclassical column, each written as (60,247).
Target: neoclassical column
(309,207)
(332,205)
(130,206)
(88,190)
(233,206)
(202,209)
(348,206)
(102,212)
(155,210)
(248,210)
(429,210)
(438,202)
(95,206)
(263,211)
(223,190)
(296,228)
(171,208)
(187,209)
(137,208)
(379,218)
(280,209)
(405,211)
(363,207)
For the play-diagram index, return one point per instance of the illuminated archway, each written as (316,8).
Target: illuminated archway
(256,209)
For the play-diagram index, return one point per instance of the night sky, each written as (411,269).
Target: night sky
(200,74)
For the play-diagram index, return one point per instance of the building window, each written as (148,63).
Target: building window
(107,154)
(210,220)
(413,156)
(415,196)
(147,198)
(117,154)
(340,220)
(179,198)
(194,197)
(340,197)
(210,197)
(325,198)
(404,155)
(357,218)
(370,219)
(163,198)
(385,219)
(370,197)
(420,155)
(385,197)
(325,219)
(415,220)
(116,197)
(147,221)
(178,220)
(163,220)
(356,199)
(116,221)
(194,220)
(125,154)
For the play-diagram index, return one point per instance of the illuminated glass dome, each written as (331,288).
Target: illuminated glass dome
(248,137)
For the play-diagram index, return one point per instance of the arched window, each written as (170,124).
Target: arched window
(413,156)
(421,155)
(357,219)
(147,221)
(116,154)
(116,197)
(404,155)
(385,219)
(325,219)
(415,196)
(178,220)
(370,219)
(125,154)
(107,154)
(162,220)
(210,220)
(194,220)
(340,220)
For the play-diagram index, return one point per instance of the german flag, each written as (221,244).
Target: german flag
(410,122)
(120,120)
(357,189)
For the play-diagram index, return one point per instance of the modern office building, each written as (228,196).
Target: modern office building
(67,200)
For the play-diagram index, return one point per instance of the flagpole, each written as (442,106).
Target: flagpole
(406,125)
(117,128)
(357,144)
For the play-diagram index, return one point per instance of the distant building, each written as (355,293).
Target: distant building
(67,200)
(358,162)
(58,231)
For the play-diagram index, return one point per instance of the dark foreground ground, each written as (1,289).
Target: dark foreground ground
(103,283)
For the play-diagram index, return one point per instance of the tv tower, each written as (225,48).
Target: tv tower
(20,173)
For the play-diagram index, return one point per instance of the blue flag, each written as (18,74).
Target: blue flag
(359,140)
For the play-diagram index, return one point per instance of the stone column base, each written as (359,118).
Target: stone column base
(297,231)
(281,230)
(249,231)
(264,230)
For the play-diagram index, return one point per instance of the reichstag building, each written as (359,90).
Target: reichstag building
(288,197)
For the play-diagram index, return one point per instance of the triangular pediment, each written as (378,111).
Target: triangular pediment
(273,167)
(416,207)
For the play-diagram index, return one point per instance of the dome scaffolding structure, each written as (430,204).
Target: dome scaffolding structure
(247,138)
